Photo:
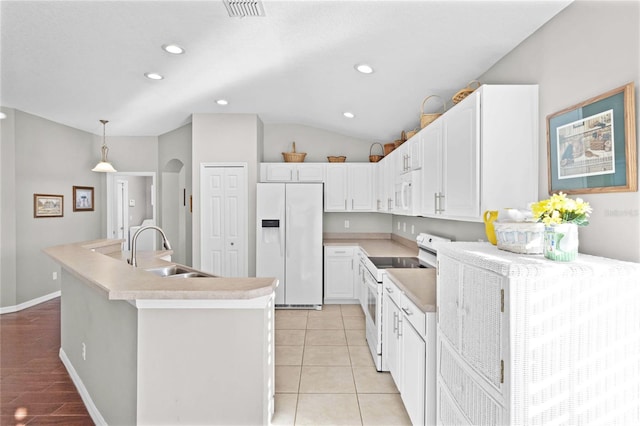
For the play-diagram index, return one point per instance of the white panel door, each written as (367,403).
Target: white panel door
(224,223)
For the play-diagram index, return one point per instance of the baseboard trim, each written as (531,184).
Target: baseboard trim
(82,390)
(29,303)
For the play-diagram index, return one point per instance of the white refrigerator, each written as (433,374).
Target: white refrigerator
(289,240)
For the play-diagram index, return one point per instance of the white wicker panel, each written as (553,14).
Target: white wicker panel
(576,350)
(447,294)
(481,325)
(449,413)
(474,402)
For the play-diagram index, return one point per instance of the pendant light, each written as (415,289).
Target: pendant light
(104,165)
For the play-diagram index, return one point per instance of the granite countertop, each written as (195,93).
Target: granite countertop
(376,247)
(419,284)
(99,264)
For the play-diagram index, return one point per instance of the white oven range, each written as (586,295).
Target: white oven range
(371,292)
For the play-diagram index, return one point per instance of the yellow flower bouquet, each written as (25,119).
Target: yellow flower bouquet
(561,217)
(560,209)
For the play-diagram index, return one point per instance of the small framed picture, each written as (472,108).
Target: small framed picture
(47,205)
(82,198)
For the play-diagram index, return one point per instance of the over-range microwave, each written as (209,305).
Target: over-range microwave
(407,194)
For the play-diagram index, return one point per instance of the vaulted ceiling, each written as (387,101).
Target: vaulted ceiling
(75,62)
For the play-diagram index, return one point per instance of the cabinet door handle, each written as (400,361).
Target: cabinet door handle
(407,312)
(352,204)
(298,174)
(389,290)
(352,264)
(399,326)
(395,322)
(345,204)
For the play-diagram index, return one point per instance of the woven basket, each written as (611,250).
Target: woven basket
(336,159)
(374,158)
(411,133)
(463,93)
(388,147)
(294,157)
(397,143)
(520,237)
(426,119)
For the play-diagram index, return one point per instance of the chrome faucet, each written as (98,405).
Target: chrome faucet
(165,243)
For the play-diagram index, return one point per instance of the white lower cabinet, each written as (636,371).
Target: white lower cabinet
(524,340)
(340,274)
(413,372)
(408,352)
(391,333)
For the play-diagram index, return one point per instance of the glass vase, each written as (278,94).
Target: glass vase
(561,242)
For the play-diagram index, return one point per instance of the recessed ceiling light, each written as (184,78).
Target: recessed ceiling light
(174,49)
(153,76)
(348,114)
(364,68)
(222,102)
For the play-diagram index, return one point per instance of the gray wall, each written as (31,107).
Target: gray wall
(317,143)
(172,146)
(586,50)
(44,157)
(49,159)
(7,210)
(109,330)
(227,138)
(452,229)
(358,222)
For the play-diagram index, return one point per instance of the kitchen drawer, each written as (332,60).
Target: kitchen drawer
(390,288)
(415,316)
(338,251)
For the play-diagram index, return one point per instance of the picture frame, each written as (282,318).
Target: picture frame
(48,205)
(83,199)
(591,146)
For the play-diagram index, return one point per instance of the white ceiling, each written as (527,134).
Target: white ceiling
(75,62)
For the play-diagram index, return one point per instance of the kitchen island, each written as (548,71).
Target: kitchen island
(145,349)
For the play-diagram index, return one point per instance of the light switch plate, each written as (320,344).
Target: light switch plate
(132,203)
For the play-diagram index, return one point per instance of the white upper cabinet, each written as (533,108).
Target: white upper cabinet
(482,154)
(385,177)
(292,172)
(461,159)
(349,187)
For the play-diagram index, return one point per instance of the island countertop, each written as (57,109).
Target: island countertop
(94,263)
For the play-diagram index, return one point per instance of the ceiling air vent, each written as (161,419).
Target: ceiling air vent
(242,8)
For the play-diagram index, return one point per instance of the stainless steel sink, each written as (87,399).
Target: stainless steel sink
(178,271)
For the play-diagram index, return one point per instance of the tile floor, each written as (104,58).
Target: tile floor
(325,374)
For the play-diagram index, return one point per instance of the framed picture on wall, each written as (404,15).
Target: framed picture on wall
(47,205)
(82,198)
(591,146)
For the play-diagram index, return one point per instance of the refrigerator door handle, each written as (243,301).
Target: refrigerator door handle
(286,222)
(281,237)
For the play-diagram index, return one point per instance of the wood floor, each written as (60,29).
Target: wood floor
(35,388)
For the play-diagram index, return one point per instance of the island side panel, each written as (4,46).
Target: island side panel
(205,366)
(109,331)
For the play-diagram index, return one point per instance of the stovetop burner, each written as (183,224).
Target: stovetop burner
(396,262)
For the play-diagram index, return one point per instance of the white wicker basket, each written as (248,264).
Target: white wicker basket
(520,237)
